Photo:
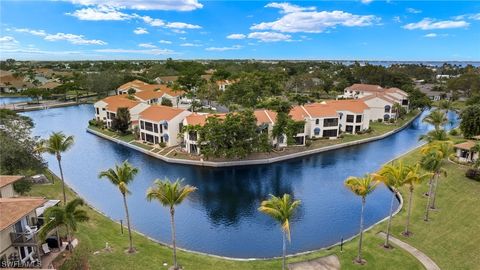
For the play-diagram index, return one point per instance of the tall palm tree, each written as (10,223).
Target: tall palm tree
(437,118)
(444,148)
(281,209)
(361,186)
(413,178)
(392,176)
(67,216)
(57,144)
(170,194)
(121,176)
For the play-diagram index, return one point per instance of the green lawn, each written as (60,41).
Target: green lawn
(142,145)
(451,237)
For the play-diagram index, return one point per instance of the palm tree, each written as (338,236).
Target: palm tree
(437,118)
(67,216)
(57,144)
(445,105)
(361,186)
(281,209)
(434,155)
(413,178)
(170,194)
(434,135)
(121,176)
(393,176)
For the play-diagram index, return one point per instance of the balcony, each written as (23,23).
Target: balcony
(23,238)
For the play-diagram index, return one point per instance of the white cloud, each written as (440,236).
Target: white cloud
(182,38)
(152,22)
(190,45)
(397,19)
(181,25)
(222,49)
(288,8)
(430,35)
(151,51)
(178,31)
(40,33)
(165,41)
(236,36)
(366,1)
(140,31)
(269,36)
(474,16)
(147,45)
(297,19)
(8,43)
(179,5)
(72,38)
(413,11)
(430,24)
(100,13)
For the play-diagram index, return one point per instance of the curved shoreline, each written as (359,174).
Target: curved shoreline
(254,161)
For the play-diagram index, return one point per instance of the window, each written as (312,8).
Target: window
(350,118)
(349,129)
(357,128)
(358,119)
(98,111)
(155,128)
(330,133)
(148,126)
(103,109)
(142,125)
(341,115)
(386,117)
(317,121)
(192,135)
(316,131)
(387,108)
(405,102)
(330,122)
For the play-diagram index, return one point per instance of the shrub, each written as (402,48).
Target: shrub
(453,132)
(308,143)
(473,174)
(392,120)
(22,186)
(162,144)
(380,120)
(96,123)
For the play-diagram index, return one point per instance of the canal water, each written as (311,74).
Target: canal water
(221,217)
(9,100)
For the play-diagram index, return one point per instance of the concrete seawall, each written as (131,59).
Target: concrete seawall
(253,161)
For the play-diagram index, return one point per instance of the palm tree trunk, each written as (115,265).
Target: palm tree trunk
(406,232)
(387,243)
(435,193)
(428,201)
(59,158)
(174,245)
(359,258)
(284,253)
(130,249)
(69,240)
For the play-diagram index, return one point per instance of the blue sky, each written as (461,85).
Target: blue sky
(196,29)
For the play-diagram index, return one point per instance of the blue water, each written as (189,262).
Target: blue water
(221,217)
(10,100)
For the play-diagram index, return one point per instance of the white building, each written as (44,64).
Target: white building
(151,93)
(465,153)
(161,124)
(106,109)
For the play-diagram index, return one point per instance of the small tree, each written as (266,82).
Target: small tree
(121,122)
(22,186)
(470,124)
(131,91)
(166,102)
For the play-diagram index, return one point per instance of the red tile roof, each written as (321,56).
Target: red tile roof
(119,101)
(465,145)
(352,105)
(159,113)
(365,87)
(9,179)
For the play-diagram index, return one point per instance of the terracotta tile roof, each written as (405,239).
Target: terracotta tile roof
(465,145)
(397,90)
(265,116)
(318,110)
(199,119)
(381,96)
(50,85)
(149,94)
(169,91)
(12,81)
(365,87)
(159,113)
(298,113)
(9,179)
(352,105)
(119,101)
(13,209)
(132,84)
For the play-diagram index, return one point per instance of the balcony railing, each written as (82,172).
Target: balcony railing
(22,239)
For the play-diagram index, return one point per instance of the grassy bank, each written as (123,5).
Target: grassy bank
(450,238)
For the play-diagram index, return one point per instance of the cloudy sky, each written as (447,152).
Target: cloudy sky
(193,29)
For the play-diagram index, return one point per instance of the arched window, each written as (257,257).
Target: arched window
(387,108)
(386,117)
(316,131)
(280,139)
(317,121)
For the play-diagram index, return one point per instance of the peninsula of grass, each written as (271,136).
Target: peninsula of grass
(450,238)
